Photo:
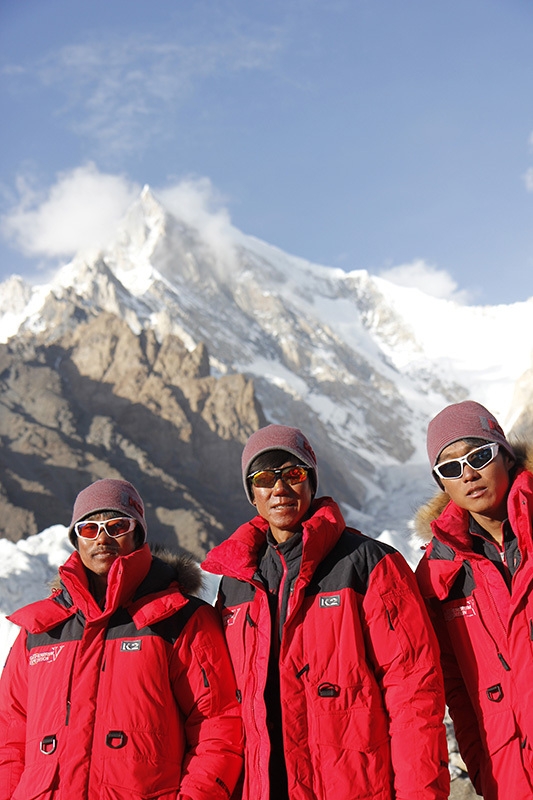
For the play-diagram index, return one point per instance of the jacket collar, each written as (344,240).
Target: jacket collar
(124,577)
(149,597)
(237,557)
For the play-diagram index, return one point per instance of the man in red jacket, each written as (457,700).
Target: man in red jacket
(119,685)
(335,659)
(477,576)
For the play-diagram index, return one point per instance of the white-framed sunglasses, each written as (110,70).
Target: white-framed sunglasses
(119,526)
(478,459)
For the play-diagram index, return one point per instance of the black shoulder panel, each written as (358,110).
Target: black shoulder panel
(441,551)
(233,592)
(122,626)
(69,631)
(464,583)
(349,564)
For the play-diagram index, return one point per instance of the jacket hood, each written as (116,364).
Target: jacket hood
(431,510)
(186,572)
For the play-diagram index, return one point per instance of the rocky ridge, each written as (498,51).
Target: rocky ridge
(97,401)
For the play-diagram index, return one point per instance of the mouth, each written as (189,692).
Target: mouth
(477,492)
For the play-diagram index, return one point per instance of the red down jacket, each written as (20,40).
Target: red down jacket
(137,701)
(361,688)
(486,637)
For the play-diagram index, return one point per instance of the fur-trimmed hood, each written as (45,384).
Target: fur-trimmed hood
(431,510)
(187,572)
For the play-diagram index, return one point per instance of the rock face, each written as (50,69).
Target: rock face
(99,401)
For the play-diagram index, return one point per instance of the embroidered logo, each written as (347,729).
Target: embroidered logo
(130,646)
(330,601)
(453,612)
(47,657)
(230,617)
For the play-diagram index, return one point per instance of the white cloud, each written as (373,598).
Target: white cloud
(200,205)
(81,210)
(528,179)
(124,94)
(430,280)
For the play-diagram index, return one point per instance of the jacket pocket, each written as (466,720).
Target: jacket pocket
(499,725)
(140,765)
(343,720)
(350,744)
(38,782)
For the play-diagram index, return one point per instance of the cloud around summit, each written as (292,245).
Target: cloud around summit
(429,279)
(84,206)
(80,210)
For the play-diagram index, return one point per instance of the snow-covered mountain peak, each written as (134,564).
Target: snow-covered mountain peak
(359,360)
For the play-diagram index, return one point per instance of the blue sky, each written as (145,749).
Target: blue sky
(388,135)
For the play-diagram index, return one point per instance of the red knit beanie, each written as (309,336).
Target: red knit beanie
(277,437)
(108,495)
(463,421)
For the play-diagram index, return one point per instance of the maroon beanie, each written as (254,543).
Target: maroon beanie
(108,495)
(277,437)
(463,421)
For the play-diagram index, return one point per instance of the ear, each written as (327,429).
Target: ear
(439,482)
(508,460)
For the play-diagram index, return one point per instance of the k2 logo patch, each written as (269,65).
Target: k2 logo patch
(130,647)
(330,601)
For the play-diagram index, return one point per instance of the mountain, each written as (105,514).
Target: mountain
(156,358)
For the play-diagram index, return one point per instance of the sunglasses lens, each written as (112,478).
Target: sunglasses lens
(450,469)
(294,475)
(118,527)
(480,458)
(265,479)
(87,530)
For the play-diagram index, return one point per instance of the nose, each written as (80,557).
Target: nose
(103,535)
(469,473)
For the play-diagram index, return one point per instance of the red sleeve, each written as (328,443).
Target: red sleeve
(404,651)
(205,690)
(13,700)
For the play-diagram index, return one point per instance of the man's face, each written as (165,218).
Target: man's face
(482,492)
(99,554)
(284,506)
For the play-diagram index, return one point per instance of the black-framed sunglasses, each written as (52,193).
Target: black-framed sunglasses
(267,478)
(90,528)
(478,458)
